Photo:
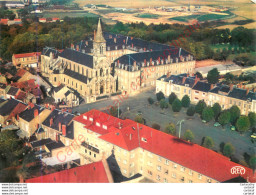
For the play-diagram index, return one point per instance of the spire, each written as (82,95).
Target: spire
(99,35)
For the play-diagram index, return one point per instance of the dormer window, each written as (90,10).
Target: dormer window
(91,119)
(85,117)
(144,139)
(97,124)
(105,127)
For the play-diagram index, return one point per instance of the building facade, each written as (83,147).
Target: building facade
(108,63)
(197,90)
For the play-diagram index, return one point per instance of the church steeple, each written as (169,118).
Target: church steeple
(99,35)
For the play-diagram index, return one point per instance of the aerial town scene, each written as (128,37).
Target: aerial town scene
(123,91)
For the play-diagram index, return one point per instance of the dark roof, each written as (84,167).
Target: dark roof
(241,94)
(2,85)
(202,86)
(56,89)
(67,93)
(40,142)
(28,114)
(77,76)
(2,100)
(64,118)
(225,89)
(128,59)
(78,57)
(53,145)
(215,89)
(48,50)
(190,82)
(13,91)
(8,107)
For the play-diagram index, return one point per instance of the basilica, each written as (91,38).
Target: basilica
(107,63)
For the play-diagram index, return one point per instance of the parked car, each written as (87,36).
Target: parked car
(216,124)
(204,121)
(253,135)
(232,128)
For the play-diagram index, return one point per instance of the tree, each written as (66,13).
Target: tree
(114,111)
(234,114)
(208,142)
(160,96)
(176,105)
(213,76)
(156,126)
(224,118)
(200,106)
(216,109)
(252,118)
(191,111)
(139,119)
(172,97)
(163,104)
(199,75)
(188,135)
(207,114)
(243,124)
(252,162)
(185,101)
(228,149)
(150,101)
(170,129)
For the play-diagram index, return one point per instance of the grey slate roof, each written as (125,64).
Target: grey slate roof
(13,91)
(39,143)
(28,114)
(77,76)
(78,57)
(54,145)
(47,50)
(202,86)
(8,107)
(64,118)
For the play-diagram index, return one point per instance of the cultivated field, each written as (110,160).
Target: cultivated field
(239,10)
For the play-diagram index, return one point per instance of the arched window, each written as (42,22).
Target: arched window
(87,73)
(78,69)
(74,68)
(101,72)
(101,49)
(82,71)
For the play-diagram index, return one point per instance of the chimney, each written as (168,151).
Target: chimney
(144,48)
(145,62)
(159,60)
(51,121)
(212,85)
(115,40)
(46,105)
(64,130)
(86,42)
(59,126)
(231,87)
(35,112)
(247,91)
(52,108)
(169,58)
(18,117)
(132,45)
(150,61)
(183,80)
(134,63)
(117,62)
(168,74)
(124,41)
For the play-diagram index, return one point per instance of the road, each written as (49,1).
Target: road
(153,114)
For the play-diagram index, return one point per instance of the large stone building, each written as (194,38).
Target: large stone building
(109,63)
(197,90)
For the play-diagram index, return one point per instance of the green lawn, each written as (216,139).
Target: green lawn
(153,16)
(203,17)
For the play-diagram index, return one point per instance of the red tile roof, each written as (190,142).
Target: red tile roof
(91,173)
(25,55)
(192,156)
(21,72)
(21,96)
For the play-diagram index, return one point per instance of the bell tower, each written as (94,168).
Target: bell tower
(99,48)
